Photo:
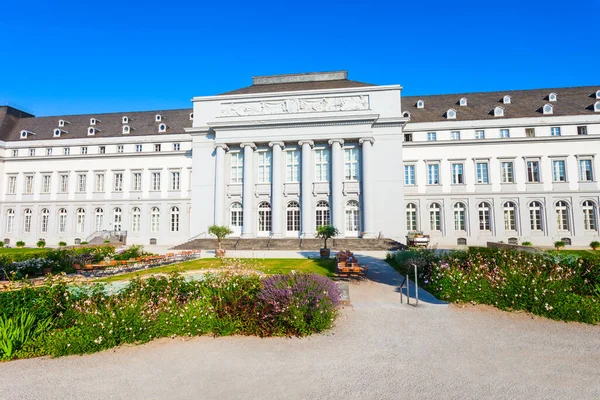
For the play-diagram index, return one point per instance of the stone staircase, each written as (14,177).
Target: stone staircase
(353,244)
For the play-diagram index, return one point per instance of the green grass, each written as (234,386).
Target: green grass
(267,265)
(21,251)
(578,252)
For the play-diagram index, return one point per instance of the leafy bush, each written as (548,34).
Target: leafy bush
(106,241)
(41,244)
(555,285)
(1,244)
(559,244)
(20,243)
(527,244)
(62,244)
(18,331)
(134,251)
(595,245)
(84,242)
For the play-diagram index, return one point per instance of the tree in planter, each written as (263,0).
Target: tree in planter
(595,245)
(20,243)
(326,232)
(559,244)
(220,232)
(41,244)
(62,244)
(527,244)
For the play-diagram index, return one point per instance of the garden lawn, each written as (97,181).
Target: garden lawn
(20,252)
(267,265)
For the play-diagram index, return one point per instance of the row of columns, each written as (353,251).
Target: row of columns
(337,206)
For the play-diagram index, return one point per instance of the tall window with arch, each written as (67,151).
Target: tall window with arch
(460,217)
(435,220)
(236,216)
(293,216)
(27,215)
(535,216)
(98,219)
(80,226)
(154,219)
(10,220)
(322,213)
(136,219)
(510,223)
(589,215)
(352,217)
(62,220)
(174,217)
(117,219)
(44,221)
(485,223)
(562,216)
(411,217)
(264,217)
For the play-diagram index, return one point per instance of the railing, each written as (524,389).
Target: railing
(407,281)
(269,242)
(301,243)
(197,236)
(236,242)
(107,234)
(93,235)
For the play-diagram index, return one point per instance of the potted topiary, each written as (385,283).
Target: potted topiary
(62,244)
(595,245)
(220,232)
(20,243)
(326,232)
(527,244)
(559,244)
(41,244)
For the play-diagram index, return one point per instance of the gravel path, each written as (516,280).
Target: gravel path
(378,350)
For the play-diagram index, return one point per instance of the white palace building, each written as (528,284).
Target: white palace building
(292,152)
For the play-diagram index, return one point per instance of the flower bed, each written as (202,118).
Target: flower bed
(558,286)
(89,320)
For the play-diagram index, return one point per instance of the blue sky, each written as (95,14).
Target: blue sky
(62,57)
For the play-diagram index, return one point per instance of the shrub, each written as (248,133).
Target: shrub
(18,331)
(62,244)
(595,245)
(106,241)
(527,244)
(559,244)
(84,242)
(134,251)
(1,244)
(41,244)
(20,243)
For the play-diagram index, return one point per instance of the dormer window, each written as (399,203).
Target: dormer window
(548,109)
(126,130)
(162,128)
(552,97)
(125,120)
(58,132)
(94,121)
(62,123)
(420,104)
(25,134)
(92,131)
(597,106)
(158,118)
(499,111)
(506,99)
(463,102)
(406,114)
(451,113)
(598,94)
(191,116)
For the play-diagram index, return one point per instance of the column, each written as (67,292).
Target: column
(248,190)
(337,177)
(306,189)
(220,150)
(277,209)
(367,191)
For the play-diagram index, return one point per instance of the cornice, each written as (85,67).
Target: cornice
(496,141)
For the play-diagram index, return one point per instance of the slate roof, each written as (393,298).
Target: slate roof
(524,103)
(297,86)
(111,125)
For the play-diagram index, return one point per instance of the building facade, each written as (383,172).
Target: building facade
(292,152)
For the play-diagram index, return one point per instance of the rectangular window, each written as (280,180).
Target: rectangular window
(81,182)
(292,165)
(138,148)
(506,169)
(504,133)
(15,153)
(582,130)
(46,183)
(529,132)
(99,182)
(351,164)
(12,184)
(120,148)
(175,180)
(64,183)
(533,171)
(457,174)
(102,149)
(479,134)
(136,181)
(31,152)
(264,167)
(322,165)
(431,136)
(455,135)
(433,174)
(157,147)
(49,152)
(408,137)
(237,167)
(585,170)
(84,150)
(176,146)
(481,169)
(555,131)
(28,184)
(409,174)
(118,183)
(156,181)
(559,173)
(66,151)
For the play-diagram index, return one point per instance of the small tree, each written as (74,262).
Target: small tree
(559,244)
(595,245)
(61,244)
(326,232)
(220,232)
(41,244)
(20,243)
(527,244)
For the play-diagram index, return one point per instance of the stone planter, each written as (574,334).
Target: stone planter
(325,253)
(220,253)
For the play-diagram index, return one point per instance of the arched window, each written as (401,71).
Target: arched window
(136,219)
(461,241)
(62,220)
(411,217)
(562,216)
(27,214)
(44,220)
(293,216)
(264,217)
(435,221)
(513,240)
(589,216)
(352,216)
(237,215)
(459,217)
(510,223)
(535,216)
(498,111)
(322,213)
(117,219)
(174,219)
(98,219)
(451,114)
(154,219)
(80,220)
(548,109)
(10,220)
(484,216)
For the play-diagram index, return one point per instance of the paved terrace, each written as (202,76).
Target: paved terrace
(379,349)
